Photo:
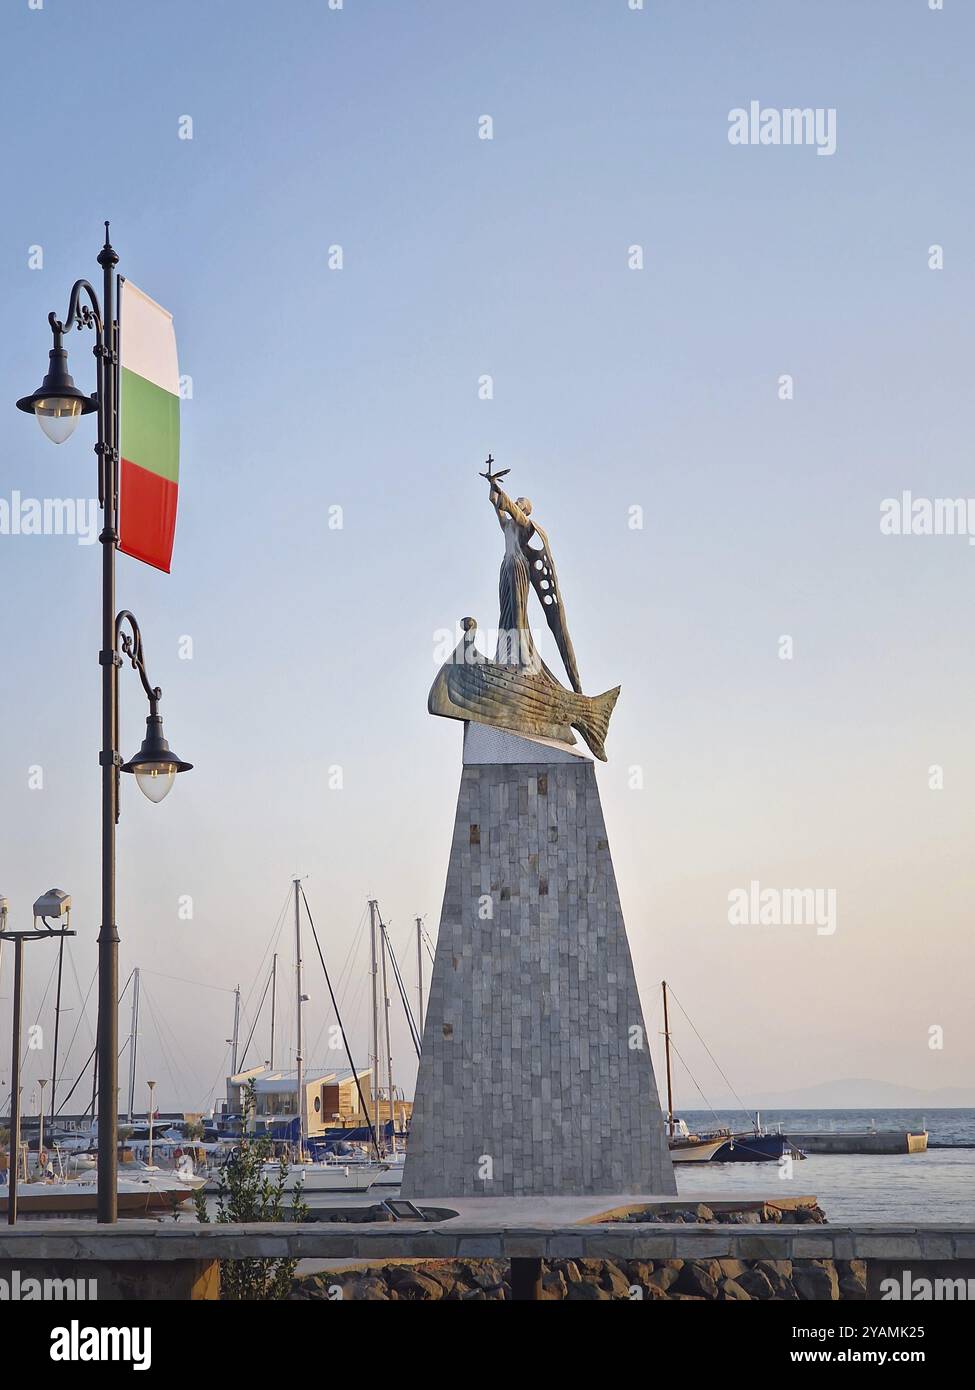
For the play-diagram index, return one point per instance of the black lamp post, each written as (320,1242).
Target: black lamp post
(58,404)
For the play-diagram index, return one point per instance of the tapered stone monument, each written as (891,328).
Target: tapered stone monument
(535,1076)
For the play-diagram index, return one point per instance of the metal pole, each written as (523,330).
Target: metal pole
(233,1060)
(40,1131)
(133,1041)
(299,1061)
(274,993)
(57,1029)
(389,1044)
(419,969)
(670,1095)
(108,937)
(375,1017)
(15,1082)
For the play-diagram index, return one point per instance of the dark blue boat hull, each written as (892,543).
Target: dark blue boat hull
(756,1148)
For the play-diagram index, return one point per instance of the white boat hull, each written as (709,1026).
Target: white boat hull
(697,1153)
(327,1177)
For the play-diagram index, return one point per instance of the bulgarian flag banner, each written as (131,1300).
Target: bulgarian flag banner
(148,428)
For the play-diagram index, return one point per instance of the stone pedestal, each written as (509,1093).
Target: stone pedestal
(535,1076)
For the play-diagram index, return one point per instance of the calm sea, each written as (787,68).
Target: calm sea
(935,1186)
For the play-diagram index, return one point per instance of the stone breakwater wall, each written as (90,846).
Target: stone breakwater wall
(596,1280)
(590,1281)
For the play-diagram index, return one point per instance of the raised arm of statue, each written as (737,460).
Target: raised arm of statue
(503,504)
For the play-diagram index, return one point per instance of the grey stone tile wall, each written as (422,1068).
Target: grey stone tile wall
(535,1076)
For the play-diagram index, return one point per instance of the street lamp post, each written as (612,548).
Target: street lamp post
(58,404)
(62,906)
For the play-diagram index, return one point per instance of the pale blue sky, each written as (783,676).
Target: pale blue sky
(613,388)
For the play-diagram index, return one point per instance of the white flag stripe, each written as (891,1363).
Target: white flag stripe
(148,339)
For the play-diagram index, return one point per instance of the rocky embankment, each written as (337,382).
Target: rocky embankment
(591,1280)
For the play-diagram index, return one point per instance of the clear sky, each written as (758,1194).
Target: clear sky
(613,388)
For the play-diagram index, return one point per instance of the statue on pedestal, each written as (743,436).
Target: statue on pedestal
(517,691)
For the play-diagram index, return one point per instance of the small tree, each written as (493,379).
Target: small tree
(247,1193)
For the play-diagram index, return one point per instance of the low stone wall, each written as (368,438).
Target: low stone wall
(590,1281)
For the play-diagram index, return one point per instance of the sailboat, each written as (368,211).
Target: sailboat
(315,1174)
(758,1145)
(684,1146)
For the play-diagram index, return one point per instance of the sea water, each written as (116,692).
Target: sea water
(938,1185)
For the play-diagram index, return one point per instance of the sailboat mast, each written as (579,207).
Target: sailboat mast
(134,1043)
(236,1034)
(670,1093)
(133,1040)
(274,993)
(419,970)
(298,1057)
(389,1044)
(373,970)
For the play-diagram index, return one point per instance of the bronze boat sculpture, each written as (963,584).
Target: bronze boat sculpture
(517,691)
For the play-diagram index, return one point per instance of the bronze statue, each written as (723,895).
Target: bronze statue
(516,690)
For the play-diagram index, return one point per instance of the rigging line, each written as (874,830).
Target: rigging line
(707,1103)
(77,982)
(348,1053)
(399,981)
(81,1017)
(270,947)
(737,1097)
(221,1071)
(243,1056)
(203,984)
(169,1059)
(78,1080)
(344,979)
(183,1064)
(427,943)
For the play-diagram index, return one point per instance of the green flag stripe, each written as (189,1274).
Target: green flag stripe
(149,426)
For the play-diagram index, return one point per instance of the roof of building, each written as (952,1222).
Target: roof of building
(281,1079)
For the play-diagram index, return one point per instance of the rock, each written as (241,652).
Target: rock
(586,1292)
(412,1287)
(663,1279)
(731,1268)
(570,1271)
(369,1289)
(694,1280)
(851,1289)
(483,1274)
(704,1213)
(553,1284)
(443,1272)
(755,1283)
(615,1281)
(639,1271)
(731,1289)
(815,1282)
(852,1275)
(779,1275)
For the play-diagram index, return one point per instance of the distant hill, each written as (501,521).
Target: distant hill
(860,1093)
